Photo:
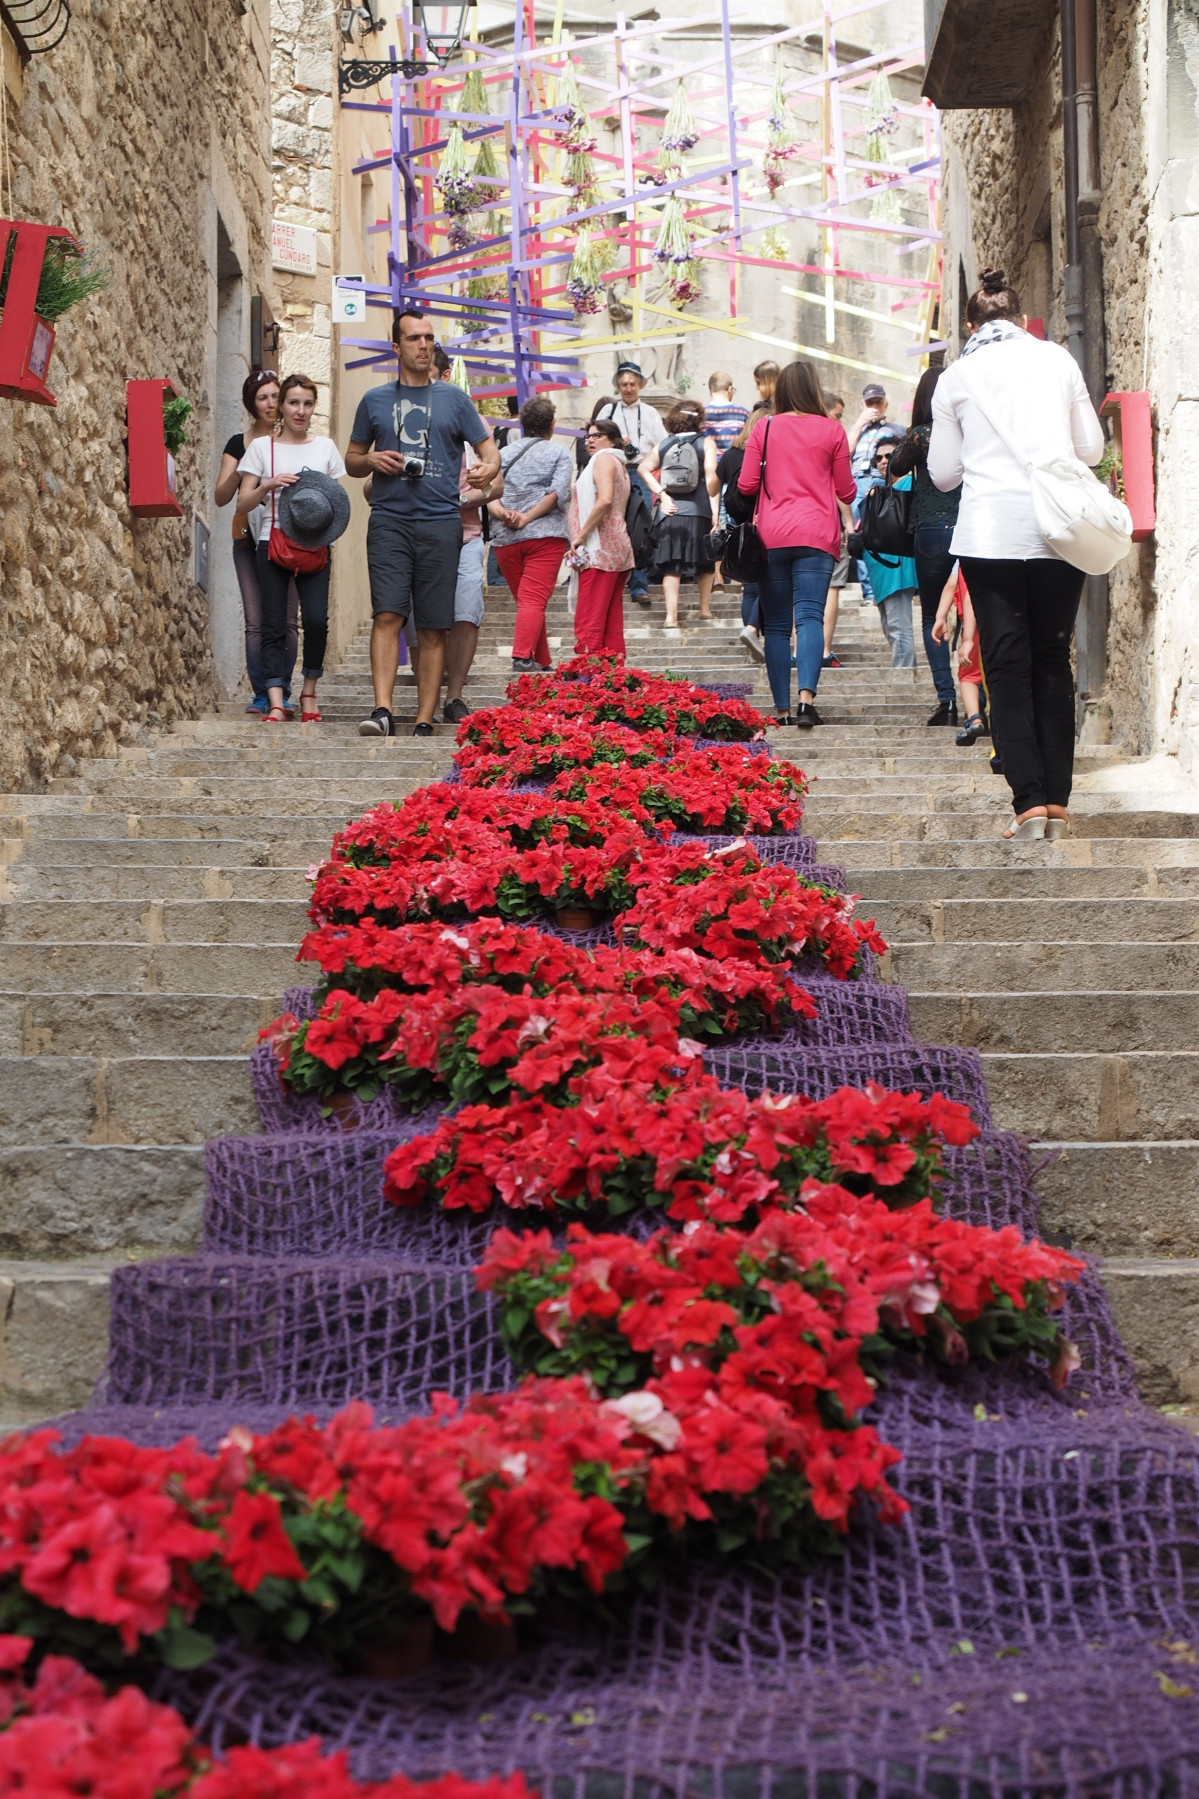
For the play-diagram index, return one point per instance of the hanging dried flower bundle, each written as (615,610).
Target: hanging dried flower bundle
(686,284)
(474,94)
(673,247)
(783,136)
(775,245)
(680,133)
(492,286)
(487,167)
(882,113)
(584,288)
(568,104)
(458,375)
(455,180)
(886,207)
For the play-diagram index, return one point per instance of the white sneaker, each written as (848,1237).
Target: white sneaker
(753,643)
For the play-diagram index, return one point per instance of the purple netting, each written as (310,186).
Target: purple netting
(756,746)
(279,1109)
(727,690)
(756,1063)
(791,848)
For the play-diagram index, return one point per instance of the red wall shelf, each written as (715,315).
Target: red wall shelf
(151,465)
(1134,434)
(26,341)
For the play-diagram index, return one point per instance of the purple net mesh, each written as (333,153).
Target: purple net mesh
(727,690)
(1026,1633)
(279,1109)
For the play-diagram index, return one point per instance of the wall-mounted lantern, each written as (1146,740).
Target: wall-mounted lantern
(151,465)
(443,23)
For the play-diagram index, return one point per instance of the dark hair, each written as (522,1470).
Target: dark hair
(250,389)
(760,411)
(922,405)
(304,381)
(405,312)
(537,416)
(798,390)
(599,407)
(831,400)
(513,405)
(994,300)
(441,362)
(685,415)
(607,428)
(766,371)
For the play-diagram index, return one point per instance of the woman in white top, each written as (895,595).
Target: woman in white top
(260,397)
(268,465)
(1025,598)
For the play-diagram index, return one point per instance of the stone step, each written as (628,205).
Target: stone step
(926,885)
(968,817)
(1172,857)
(1037,967)
(1156,1307)
(53,856)
(1121,1199)
(988,921)
(261,969)
(211,826)
(123,1099)
(156,881)
(134,1024)
(204,921)
(1148,1094)
(54,1320)
(1046,1022)
(60,1201)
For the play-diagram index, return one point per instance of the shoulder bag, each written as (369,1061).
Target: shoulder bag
(292,556)
(1080,519)
(884,521)
(743,555)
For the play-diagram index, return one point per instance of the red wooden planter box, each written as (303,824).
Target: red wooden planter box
(1134,433)
(26,341)
(151,465)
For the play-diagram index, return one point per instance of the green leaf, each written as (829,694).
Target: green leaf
(182,1648)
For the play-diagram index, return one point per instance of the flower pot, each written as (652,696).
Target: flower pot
(345,1110)
(397,1660)
(577,918)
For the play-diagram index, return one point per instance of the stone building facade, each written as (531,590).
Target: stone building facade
(152,147)
(1005,201)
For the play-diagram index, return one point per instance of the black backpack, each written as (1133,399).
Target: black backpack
(885,521)
(639,523)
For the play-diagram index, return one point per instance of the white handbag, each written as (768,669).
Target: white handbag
(1080,519)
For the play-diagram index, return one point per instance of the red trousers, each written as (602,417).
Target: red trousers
(599,613)
(530,569)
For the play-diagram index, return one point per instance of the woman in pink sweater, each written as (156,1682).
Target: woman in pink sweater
(807,478)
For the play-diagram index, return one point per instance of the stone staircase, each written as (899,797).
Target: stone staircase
(151,906)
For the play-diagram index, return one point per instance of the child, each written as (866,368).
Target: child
(970,675)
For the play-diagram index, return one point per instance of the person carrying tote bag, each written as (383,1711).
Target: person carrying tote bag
(1012,420)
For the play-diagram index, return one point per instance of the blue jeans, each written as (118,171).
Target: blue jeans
(934,565)
(865,483)
(639,579)
(751,605)
(794,592)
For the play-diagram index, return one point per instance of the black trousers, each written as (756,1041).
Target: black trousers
(314,611)
(1025,613)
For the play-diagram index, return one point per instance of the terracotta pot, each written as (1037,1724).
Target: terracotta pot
(344,1108)
(577,918)
(397,1660)
(476,1641)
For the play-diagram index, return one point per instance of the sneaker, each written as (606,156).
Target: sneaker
(806,715)
(259,704)
(831,661)
(525,665)
(379,724)
(454,711)
(753,643)
(422,730)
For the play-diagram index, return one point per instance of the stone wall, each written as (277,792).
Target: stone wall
(303,67)
(151,146)
(1003,203)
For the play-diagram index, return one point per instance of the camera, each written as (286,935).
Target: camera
(413,469)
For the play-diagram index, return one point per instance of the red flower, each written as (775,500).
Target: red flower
(257,1545)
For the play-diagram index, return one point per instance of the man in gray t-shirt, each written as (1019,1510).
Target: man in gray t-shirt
(409,435)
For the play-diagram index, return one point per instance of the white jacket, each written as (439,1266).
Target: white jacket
(1035,391)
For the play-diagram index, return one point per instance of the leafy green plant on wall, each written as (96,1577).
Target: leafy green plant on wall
(174,418)
(1110,469)
(68,276)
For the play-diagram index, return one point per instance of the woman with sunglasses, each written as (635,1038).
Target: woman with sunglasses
(892,578)
(260,397)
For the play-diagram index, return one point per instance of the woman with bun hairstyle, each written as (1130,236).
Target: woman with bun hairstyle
(807,477)
(1008,388)
(260,397)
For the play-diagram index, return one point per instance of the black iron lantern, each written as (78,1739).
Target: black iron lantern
(443,22)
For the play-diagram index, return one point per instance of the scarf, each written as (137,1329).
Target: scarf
(995,331)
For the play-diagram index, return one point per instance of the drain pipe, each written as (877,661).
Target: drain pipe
(1075,313)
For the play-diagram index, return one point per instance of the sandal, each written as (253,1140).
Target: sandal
(275,716)
(971,731)
(1057,825)
(307,717)
(1031,826)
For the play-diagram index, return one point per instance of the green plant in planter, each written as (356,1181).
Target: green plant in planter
(174,418)
(68,276)
(1110,469)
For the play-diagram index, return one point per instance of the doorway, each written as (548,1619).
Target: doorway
(232,367)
